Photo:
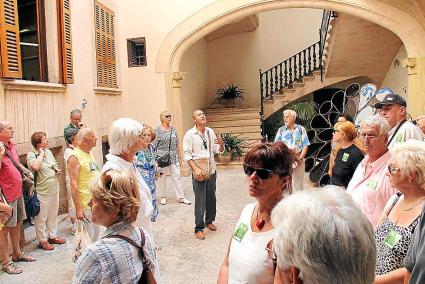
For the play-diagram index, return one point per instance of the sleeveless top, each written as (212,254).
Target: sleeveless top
(249,262)
(389,259)
(88,170)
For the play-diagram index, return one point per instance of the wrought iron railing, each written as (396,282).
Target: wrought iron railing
(294,68)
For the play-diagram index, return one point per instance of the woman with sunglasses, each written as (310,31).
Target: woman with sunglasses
(167,143)
(116,257)
(269,168)
(400,217)
(348,154)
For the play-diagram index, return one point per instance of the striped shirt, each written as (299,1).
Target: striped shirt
(112,260)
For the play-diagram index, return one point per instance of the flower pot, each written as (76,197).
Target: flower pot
(224,158)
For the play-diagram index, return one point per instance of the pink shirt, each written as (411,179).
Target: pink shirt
(371,188)
(10,178)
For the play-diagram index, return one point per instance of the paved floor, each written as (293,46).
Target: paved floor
(182,258)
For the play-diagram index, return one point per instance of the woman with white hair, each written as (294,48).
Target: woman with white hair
(401,214)
(321,236)
(125,139)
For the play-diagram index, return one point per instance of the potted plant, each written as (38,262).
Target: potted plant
(234,145)
(230,95)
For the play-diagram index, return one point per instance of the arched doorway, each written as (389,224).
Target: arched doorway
(222,12)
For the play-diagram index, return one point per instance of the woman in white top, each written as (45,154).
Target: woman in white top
(269,168)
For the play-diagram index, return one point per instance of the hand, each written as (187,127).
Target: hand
(197,173)
(8,210)
(41,151)
(2,148)
(218,140)
(80,214)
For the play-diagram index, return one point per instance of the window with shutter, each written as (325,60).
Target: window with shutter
(105,46)
(65,42)
(9,40)
(136,49)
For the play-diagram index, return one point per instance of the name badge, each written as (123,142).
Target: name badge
(392,239)
(372,184)
(240,232)
(297,141)
(399,138)
(345,157)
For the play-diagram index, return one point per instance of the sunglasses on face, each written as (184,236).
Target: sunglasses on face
(261,173)
(336,130)
(167,116)
(392,170)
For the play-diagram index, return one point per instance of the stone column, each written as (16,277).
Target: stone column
(416,85)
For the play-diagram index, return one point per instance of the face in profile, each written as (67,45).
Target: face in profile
(76,119)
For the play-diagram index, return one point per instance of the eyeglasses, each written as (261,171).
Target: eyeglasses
(336,130)
(167,116)
(392,170)
(370,136)
(261,173)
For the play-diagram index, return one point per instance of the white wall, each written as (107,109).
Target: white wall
(193,92)
(237,58)
(396,77)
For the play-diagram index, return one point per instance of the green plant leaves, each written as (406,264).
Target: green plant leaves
(229,93)
(234,144)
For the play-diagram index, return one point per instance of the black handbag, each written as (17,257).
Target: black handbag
(32,204)
(165,160)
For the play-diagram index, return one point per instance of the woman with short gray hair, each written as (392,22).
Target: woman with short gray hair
(401,214)
(328,217)
(125,139)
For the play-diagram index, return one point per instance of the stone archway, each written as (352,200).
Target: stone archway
(222,12)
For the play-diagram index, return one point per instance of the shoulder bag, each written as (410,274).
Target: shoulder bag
(147,274)
(165,160)
(395,132)
(27,181)
(204,164)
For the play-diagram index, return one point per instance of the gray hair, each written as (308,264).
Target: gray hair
(290,112)
(376,120)
(123,134)
(420,117)
(82,133)
(325,236)
(3,124)
(410,157)
(75,111)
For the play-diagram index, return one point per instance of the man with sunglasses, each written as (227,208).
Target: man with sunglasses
(199,144)
(393,109)
(295,137)
(370,186)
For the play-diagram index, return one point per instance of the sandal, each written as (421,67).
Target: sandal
(11,268)
(24,258)
(45,246)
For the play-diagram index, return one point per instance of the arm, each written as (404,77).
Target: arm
(88,269)
(407,277)
(73,167)
(393,277)
(278,136)
(187,156)
(303,152)
(2,151)
(35,162)
(223,275)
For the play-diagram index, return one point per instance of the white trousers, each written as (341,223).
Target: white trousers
(171,173)
(46,222)
(92,228)
(298,177)
(71,206)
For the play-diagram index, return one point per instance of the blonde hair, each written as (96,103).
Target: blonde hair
(162,113)
(410,157)
(118,192)
(348,128)
(150,129)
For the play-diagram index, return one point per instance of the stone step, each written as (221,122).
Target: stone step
(233,117)
(233,122)
(237,129)
(231,110)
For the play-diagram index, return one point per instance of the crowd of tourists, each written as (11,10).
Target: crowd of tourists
(367,226)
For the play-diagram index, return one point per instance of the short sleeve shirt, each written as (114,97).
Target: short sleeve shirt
(407,131)
(10,178)
(295,138)
(47,181)
(345,164)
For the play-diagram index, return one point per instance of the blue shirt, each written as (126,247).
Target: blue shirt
(295,138)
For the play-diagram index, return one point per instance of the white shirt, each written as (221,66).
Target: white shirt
(146,208)
(194,149)
(249,262)
(407,131)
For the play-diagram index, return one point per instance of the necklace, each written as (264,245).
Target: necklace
(260,221)
(408,209)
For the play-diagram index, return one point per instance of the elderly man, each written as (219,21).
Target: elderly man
(82,168)
(11,185)
(75,123)
(321,236)
(199,145)
(370,186)
(295,137)
(393,109)
(125,139)
(420,122)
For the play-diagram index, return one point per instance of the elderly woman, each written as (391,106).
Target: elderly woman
(41,161)
(398,221)
(71,141)
(125,139)
(268,167)
(146,165)
(348,156)
(167,143)
(321,236)
(117,256)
